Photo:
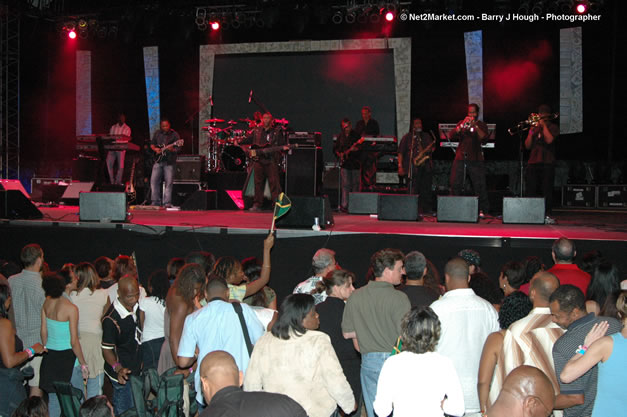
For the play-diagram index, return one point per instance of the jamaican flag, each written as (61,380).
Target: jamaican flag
(281,206)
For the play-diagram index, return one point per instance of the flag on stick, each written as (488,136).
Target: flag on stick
(281,206)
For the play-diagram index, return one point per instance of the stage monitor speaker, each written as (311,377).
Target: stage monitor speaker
(303,175)
(13,185)
(305,210)
(14,205)
(72,192)
(48,189)
(398,207)
(102,206)
(363,203)
(523,210)
(189,168)
(201,200)
(182,191)
(458,209)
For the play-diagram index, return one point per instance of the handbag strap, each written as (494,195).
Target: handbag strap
(242,322)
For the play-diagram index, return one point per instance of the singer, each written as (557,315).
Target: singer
(470,132)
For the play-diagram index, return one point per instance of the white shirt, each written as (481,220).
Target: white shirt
(413,384)
(467,320)
(154,310)
(116,129)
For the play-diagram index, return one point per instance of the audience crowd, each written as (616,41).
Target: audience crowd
(415,340)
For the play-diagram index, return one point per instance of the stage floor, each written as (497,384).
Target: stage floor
(575,225)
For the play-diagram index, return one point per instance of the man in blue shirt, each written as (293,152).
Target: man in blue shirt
(217,327)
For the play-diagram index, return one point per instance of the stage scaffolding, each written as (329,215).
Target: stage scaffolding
(9,92)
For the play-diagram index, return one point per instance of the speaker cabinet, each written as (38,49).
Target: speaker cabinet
(398,207)
(305,210)
(13,185)
(201,200)
(15,205)
(71,194)
(458,209)
(523,210)
(304,172)
(102,206)
(189,168)
(182,191)
(363,203)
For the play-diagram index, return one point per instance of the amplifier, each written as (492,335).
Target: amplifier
(305,138)
(48,189)
(583,196)
(612,196)
(189,168)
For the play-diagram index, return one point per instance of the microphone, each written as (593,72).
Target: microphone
(250,96)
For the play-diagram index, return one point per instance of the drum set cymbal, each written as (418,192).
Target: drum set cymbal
(214,121)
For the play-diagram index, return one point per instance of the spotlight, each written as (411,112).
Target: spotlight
(523,8)
(537,7)
(389,16)
(350,17)
(375,17)
(362,17)
(215,25)
(70,25)
(71,34)
(83,33)
(337,18)
(82,23)
(581,7)
(102,32)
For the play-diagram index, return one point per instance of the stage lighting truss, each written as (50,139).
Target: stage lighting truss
(229,16)
(367,11)
(88,27)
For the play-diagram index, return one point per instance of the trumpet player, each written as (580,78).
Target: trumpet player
(540,142)
(470,133)
(415,167)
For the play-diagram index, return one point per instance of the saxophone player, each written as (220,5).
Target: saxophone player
(415,166)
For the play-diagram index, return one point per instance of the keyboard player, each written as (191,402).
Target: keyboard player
(124,131)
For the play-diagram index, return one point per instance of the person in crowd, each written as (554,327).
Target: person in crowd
(231,270)
(472,258)
(219,325)
(438,392)
(203,258)
(486,288)
(568,310)
(526,393)
(122,266)
(221,381)
(432,279)
(12,355)
(322,263)
(121,334)
(532,265)
(180,302)
(98,406)
(59,333)
(589,260)
(27,298)
(266,297)
(31,407)
(105,269)
(530,340)
(415,271)
(296,360)
(512,277)
(604,282)
(610,354)
(372,318)
(174,266)
(464,316)
(92,303)
(152,310)
(338,284)
(565,269)
(491,372)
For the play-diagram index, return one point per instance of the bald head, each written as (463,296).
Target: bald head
(527,389)
(456,273)
(564,250)
(543,284)
(128,292)
(218,370)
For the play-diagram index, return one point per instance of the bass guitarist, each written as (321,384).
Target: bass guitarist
(415,165)
(265,164)
(347,151)
(165,143)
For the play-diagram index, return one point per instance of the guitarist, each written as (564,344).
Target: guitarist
(165,144)
(346,148)
(417,143)
(266,165)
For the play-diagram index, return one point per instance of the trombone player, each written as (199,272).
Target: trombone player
(540,142)
(415,166)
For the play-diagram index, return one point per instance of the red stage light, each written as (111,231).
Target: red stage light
(215,25)
(389,16)
(71,34)
(581,7)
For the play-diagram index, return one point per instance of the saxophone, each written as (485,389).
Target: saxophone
(423,155)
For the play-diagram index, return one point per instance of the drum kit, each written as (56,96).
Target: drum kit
(225,151)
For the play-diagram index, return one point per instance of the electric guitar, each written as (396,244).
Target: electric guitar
(423,155)
(165,149)
(131,194)
(256,151)
(354,147)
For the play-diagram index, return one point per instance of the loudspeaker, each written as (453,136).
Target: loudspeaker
(458,209)
(363,203)
(523,210)
(71,194)
(189,168)
(102,206)
(304,172)
(398,207)
(48,189)
(305,210)
(13,185)
(201,200)
(14,205)
(181,192)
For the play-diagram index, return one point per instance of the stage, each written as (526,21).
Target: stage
(157,235)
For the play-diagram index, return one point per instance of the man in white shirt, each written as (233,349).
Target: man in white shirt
(466,320)
(322,263)
(120,128)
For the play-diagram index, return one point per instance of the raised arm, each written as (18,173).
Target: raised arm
(256,286)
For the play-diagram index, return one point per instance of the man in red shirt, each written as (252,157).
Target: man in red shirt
(565,269)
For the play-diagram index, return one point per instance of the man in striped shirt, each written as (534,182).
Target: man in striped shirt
(120,128)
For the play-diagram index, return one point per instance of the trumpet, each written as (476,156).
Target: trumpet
(534,118)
